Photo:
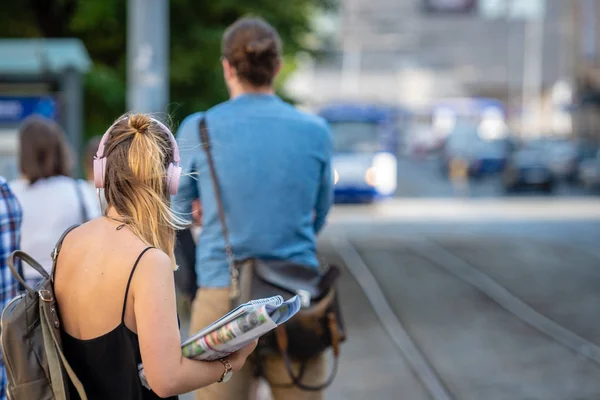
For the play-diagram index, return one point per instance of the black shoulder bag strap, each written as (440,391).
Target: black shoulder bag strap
(282,343)
(234,293)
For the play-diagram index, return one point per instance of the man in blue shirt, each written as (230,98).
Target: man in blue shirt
(273,164)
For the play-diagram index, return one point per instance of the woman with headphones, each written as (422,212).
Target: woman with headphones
(114,275)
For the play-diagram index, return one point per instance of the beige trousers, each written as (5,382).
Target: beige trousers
(212,303)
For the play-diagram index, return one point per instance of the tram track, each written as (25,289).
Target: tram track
(457,267)
(467,272)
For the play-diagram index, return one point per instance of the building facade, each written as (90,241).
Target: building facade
(410,52)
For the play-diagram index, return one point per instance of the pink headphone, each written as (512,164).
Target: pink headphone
(173,172)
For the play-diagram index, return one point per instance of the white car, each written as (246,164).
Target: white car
(364,177)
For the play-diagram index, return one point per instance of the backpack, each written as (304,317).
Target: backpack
(30,338)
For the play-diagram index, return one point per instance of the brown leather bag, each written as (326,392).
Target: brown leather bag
(316,327)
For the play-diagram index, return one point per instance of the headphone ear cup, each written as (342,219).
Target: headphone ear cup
(99,170)
(173,176)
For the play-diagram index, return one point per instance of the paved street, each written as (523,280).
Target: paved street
(490,299)
(501,306)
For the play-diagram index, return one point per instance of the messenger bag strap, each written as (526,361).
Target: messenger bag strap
(282,344)
(233,271)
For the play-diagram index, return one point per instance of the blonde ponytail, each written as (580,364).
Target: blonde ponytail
(138,154)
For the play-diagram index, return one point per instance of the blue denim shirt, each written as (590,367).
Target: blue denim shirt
(273,163)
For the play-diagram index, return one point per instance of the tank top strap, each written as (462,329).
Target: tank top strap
(129,281)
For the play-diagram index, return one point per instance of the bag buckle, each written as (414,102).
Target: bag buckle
(304,297)
(54,254)
(46,296)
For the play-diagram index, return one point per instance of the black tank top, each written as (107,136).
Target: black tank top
(108,365)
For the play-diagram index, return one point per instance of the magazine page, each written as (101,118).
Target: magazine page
(230,337)
(285,311)
(236,329)
(272,302)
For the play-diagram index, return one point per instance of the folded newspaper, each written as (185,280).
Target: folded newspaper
(236,329)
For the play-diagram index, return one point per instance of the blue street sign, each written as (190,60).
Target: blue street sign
(14,109)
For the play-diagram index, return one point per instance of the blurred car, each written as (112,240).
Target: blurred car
(364,178)
(589,172)
(562,157)
(365,142)
(484,156)
(489,157)
(528,168)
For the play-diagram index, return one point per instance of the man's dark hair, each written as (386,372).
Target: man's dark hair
(253,48)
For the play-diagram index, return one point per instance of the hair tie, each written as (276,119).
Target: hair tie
(141,129)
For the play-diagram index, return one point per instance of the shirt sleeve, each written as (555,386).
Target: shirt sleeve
(189,147)
(325,192)
(10,235)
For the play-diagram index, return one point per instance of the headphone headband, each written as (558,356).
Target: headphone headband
(101,145)
(173,172)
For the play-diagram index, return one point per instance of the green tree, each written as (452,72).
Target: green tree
(196,27)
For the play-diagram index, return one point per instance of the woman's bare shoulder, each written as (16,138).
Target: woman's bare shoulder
(154,276)
(156,260)
(103,239)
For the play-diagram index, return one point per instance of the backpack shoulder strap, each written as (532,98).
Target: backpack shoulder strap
(56,358)
(51,341)
(57,248)
(11,261)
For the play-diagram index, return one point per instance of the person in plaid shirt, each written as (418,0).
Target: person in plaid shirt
(10,235)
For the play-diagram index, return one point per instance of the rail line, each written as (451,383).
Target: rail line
(466,272)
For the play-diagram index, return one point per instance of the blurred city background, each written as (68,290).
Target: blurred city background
(467,164)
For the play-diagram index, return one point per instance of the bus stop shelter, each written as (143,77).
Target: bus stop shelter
(43,77)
